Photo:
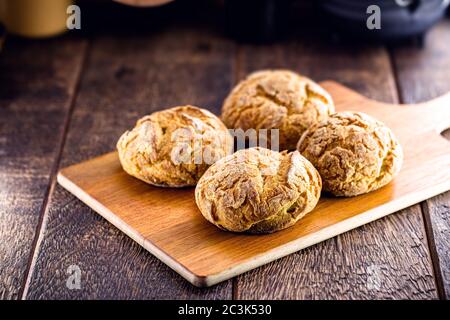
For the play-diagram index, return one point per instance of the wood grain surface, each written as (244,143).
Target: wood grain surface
(168,224)
(424,73)
(349,266)
(37,83)
(125,79)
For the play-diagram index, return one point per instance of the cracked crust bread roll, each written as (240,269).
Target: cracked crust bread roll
(258,190)
(174,147)
(277,99)
(353,152)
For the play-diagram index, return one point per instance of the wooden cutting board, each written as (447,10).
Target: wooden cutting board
(167,222)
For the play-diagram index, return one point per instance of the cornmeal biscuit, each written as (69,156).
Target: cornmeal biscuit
(277,99)
(258,190)
(174,147)
(353,152)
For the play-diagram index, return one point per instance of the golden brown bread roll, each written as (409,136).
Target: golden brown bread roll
(353,152)
(258,190)
(277,99)
(174,147)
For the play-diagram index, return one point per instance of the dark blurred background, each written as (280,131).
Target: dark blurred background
(67,96)
(257,21)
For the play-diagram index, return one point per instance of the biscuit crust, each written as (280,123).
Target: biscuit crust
(353,152)
(277,99)
(174,147)
(258,190)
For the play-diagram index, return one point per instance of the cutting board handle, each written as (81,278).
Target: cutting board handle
(432,115)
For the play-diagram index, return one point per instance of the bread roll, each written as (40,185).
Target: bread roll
(277,99)
(258,190)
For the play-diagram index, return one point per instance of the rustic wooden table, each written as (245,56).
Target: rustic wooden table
(68,99)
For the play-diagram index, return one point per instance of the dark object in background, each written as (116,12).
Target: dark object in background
(255,20)
(349,17)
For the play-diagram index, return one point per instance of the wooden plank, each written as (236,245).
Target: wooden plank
(387,259)
(127,77)
(205,255)
(424,74)
(2,37)
(37,84)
